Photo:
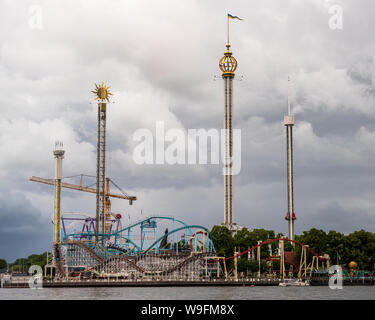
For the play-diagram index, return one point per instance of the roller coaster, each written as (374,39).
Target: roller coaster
(156,248)
(300,268)
(150,248)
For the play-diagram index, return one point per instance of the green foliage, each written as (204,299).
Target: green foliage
(276,265)
(357,246)
(23,264)
(3,264)
(251,266)
(362,247)
(242,264)
(336,246)
(223,241)
(245,239)
(316,239)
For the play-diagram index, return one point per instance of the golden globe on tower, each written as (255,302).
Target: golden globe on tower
(228,63)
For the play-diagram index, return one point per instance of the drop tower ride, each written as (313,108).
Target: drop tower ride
(102,95)
(59,156)
(289,123)
(228,65)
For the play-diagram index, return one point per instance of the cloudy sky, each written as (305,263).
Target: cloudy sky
(160,58)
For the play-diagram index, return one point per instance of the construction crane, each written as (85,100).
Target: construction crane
(81,187)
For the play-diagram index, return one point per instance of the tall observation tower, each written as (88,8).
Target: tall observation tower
(289,123)
(228,65)
(102,95)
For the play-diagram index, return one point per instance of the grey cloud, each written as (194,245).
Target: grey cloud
(23,228)
(334,216)
(160,60)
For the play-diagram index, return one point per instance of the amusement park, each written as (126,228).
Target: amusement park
(163,250)
(100,249)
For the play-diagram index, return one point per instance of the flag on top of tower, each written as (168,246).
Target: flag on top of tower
(233,17)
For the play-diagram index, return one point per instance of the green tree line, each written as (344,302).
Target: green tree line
(23,264)
(358,246)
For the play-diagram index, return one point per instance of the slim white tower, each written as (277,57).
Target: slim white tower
(289,123)
(59,156)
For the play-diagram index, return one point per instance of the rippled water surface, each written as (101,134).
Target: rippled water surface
(194,293)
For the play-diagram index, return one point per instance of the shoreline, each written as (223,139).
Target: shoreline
(219,283)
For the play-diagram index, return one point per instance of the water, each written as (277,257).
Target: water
(191,293)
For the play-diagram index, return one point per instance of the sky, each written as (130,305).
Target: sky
(161,60)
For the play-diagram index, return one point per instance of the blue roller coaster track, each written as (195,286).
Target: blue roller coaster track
(134,239)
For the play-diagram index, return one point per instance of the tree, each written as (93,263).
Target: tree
(25,263)
(223,241)
(336,248)
(242,264)
(316,239)
(3,264)
(245,239)
(360,247)
(248,266)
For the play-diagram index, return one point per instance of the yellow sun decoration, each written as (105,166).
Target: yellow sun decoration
(102,92)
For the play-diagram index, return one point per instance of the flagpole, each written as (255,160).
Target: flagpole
(289,96)
(227,29)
